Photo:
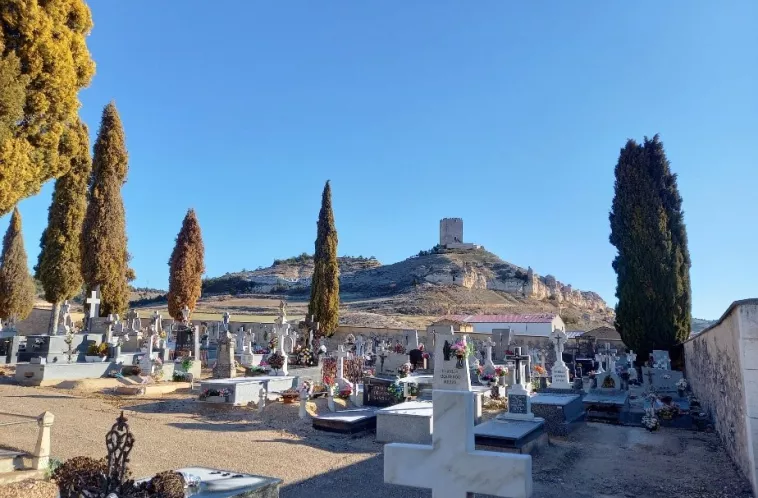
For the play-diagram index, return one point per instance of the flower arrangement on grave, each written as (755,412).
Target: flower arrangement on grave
(273,343)
(345,392)
(353,369)
(276,360)
(403,370)
(224,393)
(681,384)
(255,371)
(487,378)
(501,371)
(290,395)
(100,350)
(328,370)
(329,384)
(260,350)
(650,421)
(304,357)
(608,383)
(459,349)
(667,412)
(179,376)
(540,370)
(398,348)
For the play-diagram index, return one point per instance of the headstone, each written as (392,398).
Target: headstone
(146,363)
(359,346)
(660,359)
(451,466)
(560,372)
(158,322)
(341,355)
(519,400)
(94,306)
(224,368)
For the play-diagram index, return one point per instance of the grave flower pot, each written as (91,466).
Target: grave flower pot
(94,359)
(215,399)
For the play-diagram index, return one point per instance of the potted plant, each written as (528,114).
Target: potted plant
(276,361)
(681,386)
(501,372)
(96,353)
(345,392)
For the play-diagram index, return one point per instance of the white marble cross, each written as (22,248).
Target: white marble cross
(599,360)
(560,372)
(631,356)
(94,303)
(451,466)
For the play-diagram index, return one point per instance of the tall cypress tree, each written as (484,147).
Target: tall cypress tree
(104,255)
(44,62)
(325,283)
(17,290)
(59,266)
(652,264)
(186,267)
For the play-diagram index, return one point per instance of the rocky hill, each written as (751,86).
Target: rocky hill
(432,283)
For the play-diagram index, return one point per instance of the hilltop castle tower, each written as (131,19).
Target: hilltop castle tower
(451,234)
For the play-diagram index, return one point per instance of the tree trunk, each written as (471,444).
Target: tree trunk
(55,314)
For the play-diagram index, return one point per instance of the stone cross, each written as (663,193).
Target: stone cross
(185,313)
(451,466)
(94,304)
(146,365)
(599,360)
(240,339)
(359,346)
(631,356)
(66,322)
(158,321)
(227,317)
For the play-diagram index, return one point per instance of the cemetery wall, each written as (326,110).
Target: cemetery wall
(722,368)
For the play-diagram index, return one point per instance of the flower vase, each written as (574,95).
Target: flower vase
(459,362)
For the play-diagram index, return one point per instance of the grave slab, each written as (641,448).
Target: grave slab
(346,421)
(562,413)
(409,422)
(46,374)
(511,436)
(225,484)
(606,405)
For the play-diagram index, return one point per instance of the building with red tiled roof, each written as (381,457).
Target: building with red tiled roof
(535,324)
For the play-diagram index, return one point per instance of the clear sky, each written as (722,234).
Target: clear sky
(508,115)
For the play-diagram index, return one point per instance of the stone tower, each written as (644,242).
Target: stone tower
(451,231)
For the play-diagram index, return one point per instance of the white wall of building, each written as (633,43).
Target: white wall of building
(533,329)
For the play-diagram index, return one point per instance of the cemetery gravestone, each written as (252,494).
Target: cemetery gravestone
(450,466)
(560,372)
(224,368)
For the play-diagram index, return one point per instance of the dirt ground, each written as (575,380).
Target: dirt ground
(173,431)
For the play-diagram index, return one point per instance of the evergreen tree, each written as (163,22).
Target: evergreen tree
(186,267)
(652,264)
(44,62)
(17,290)
(60,259)
(325,283)
(105,260)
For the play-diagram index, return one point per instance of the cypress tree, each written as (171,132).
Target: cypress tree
(325,283)
(44,62)
(60,259)
(652,264)
(186,267)
(105,260)
(17,290)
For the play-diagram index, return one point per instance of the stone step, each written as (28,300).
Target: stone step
(20,475)
(11,460)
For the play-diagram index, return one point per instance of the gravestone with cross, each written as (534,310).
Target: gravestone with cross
(94,307)
(281,330)
(186,312)
(341,355)
(519,399)
(560,372)
(451,466)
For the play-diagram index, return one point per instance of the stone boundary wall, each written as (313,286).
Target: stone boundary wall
(722,368)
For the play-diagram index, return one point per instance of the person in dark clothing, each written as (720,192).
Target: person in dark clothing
(416,357)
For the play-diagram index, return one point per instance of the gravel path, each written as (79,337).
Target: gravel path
(598,461)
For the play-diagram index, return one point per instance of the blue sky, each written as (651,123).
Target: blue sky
(509,115)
